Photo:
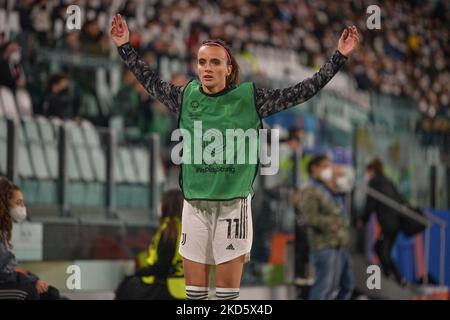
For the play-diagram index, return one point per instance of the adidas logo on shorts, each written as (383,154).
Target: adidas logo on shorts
(230,247)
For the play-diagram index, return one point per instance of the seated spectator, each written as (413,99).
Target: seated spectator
(41,21)
(15,283)
(11,70)
(162,276)
(58,101)
(93,40)
(127,101)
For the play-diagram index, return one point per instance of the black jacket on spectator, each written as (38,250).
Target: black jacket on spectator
(59,104)
(8,77)
(388,218)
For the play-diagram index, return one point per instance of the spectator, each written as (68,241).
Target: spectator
(58,101)
(341,185)
(408,60)
(127,101)
(14,283)
(24,8)
(162,276)
(71,42)
(93,41)
(326,227)
(392,61)
(287,150)
(41,21)
(302,247)
(11,70)
(388,217)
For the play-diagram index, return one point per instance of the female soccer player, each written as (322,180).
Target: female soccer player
(217,219)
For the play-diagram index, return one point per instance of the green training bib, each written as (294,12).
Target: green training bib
(220,142)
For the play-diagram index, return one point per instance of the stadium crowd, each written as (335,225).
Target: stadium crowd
(406,57)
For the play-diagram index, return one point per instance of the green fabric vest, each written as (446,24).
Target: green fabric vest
(207,173)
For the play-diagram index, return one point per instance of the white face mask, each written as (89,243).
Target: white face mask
(343,184)
(18,214)
(326,174)
(16,56)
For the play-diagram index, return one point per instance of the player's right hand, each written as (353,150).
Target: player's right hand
(119,31)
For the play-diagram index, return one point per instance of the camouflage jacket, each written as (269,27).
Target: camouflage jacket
(327,226)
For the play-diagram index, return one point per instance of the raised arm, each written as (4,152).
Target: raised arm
(168,94)
(270,101)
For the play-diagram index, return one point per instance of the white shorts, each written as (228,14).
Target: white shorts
(214,232)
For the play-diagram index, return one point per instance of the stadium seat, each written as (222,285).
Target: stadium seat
(25,167)
(24,104)
(50,145)
(35,147)
(72,165)
(96,151)
(124,189)
(97,157)
(76,188)
(142,160)
(8,103)
(128,166)
(121,187)
(47,185)
(50,133)
(129,189)
(89,191)
(103,91)
(77,143)
(27,176)
(89,108)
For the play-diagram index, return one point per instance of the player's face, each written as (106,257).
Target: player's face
(212,68)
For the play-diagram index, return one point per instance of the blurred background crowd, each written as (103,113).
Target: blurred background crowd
(407,57)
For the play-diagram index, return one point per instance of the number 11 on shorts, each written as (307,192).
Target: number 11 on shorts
(239,228)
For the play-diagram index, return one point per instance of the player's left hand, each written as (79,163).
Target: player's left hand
(349,41)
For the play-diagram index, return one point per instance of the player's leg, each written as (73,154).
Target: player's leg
(233,234)
(196,276)
(196,249)
(228,278)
